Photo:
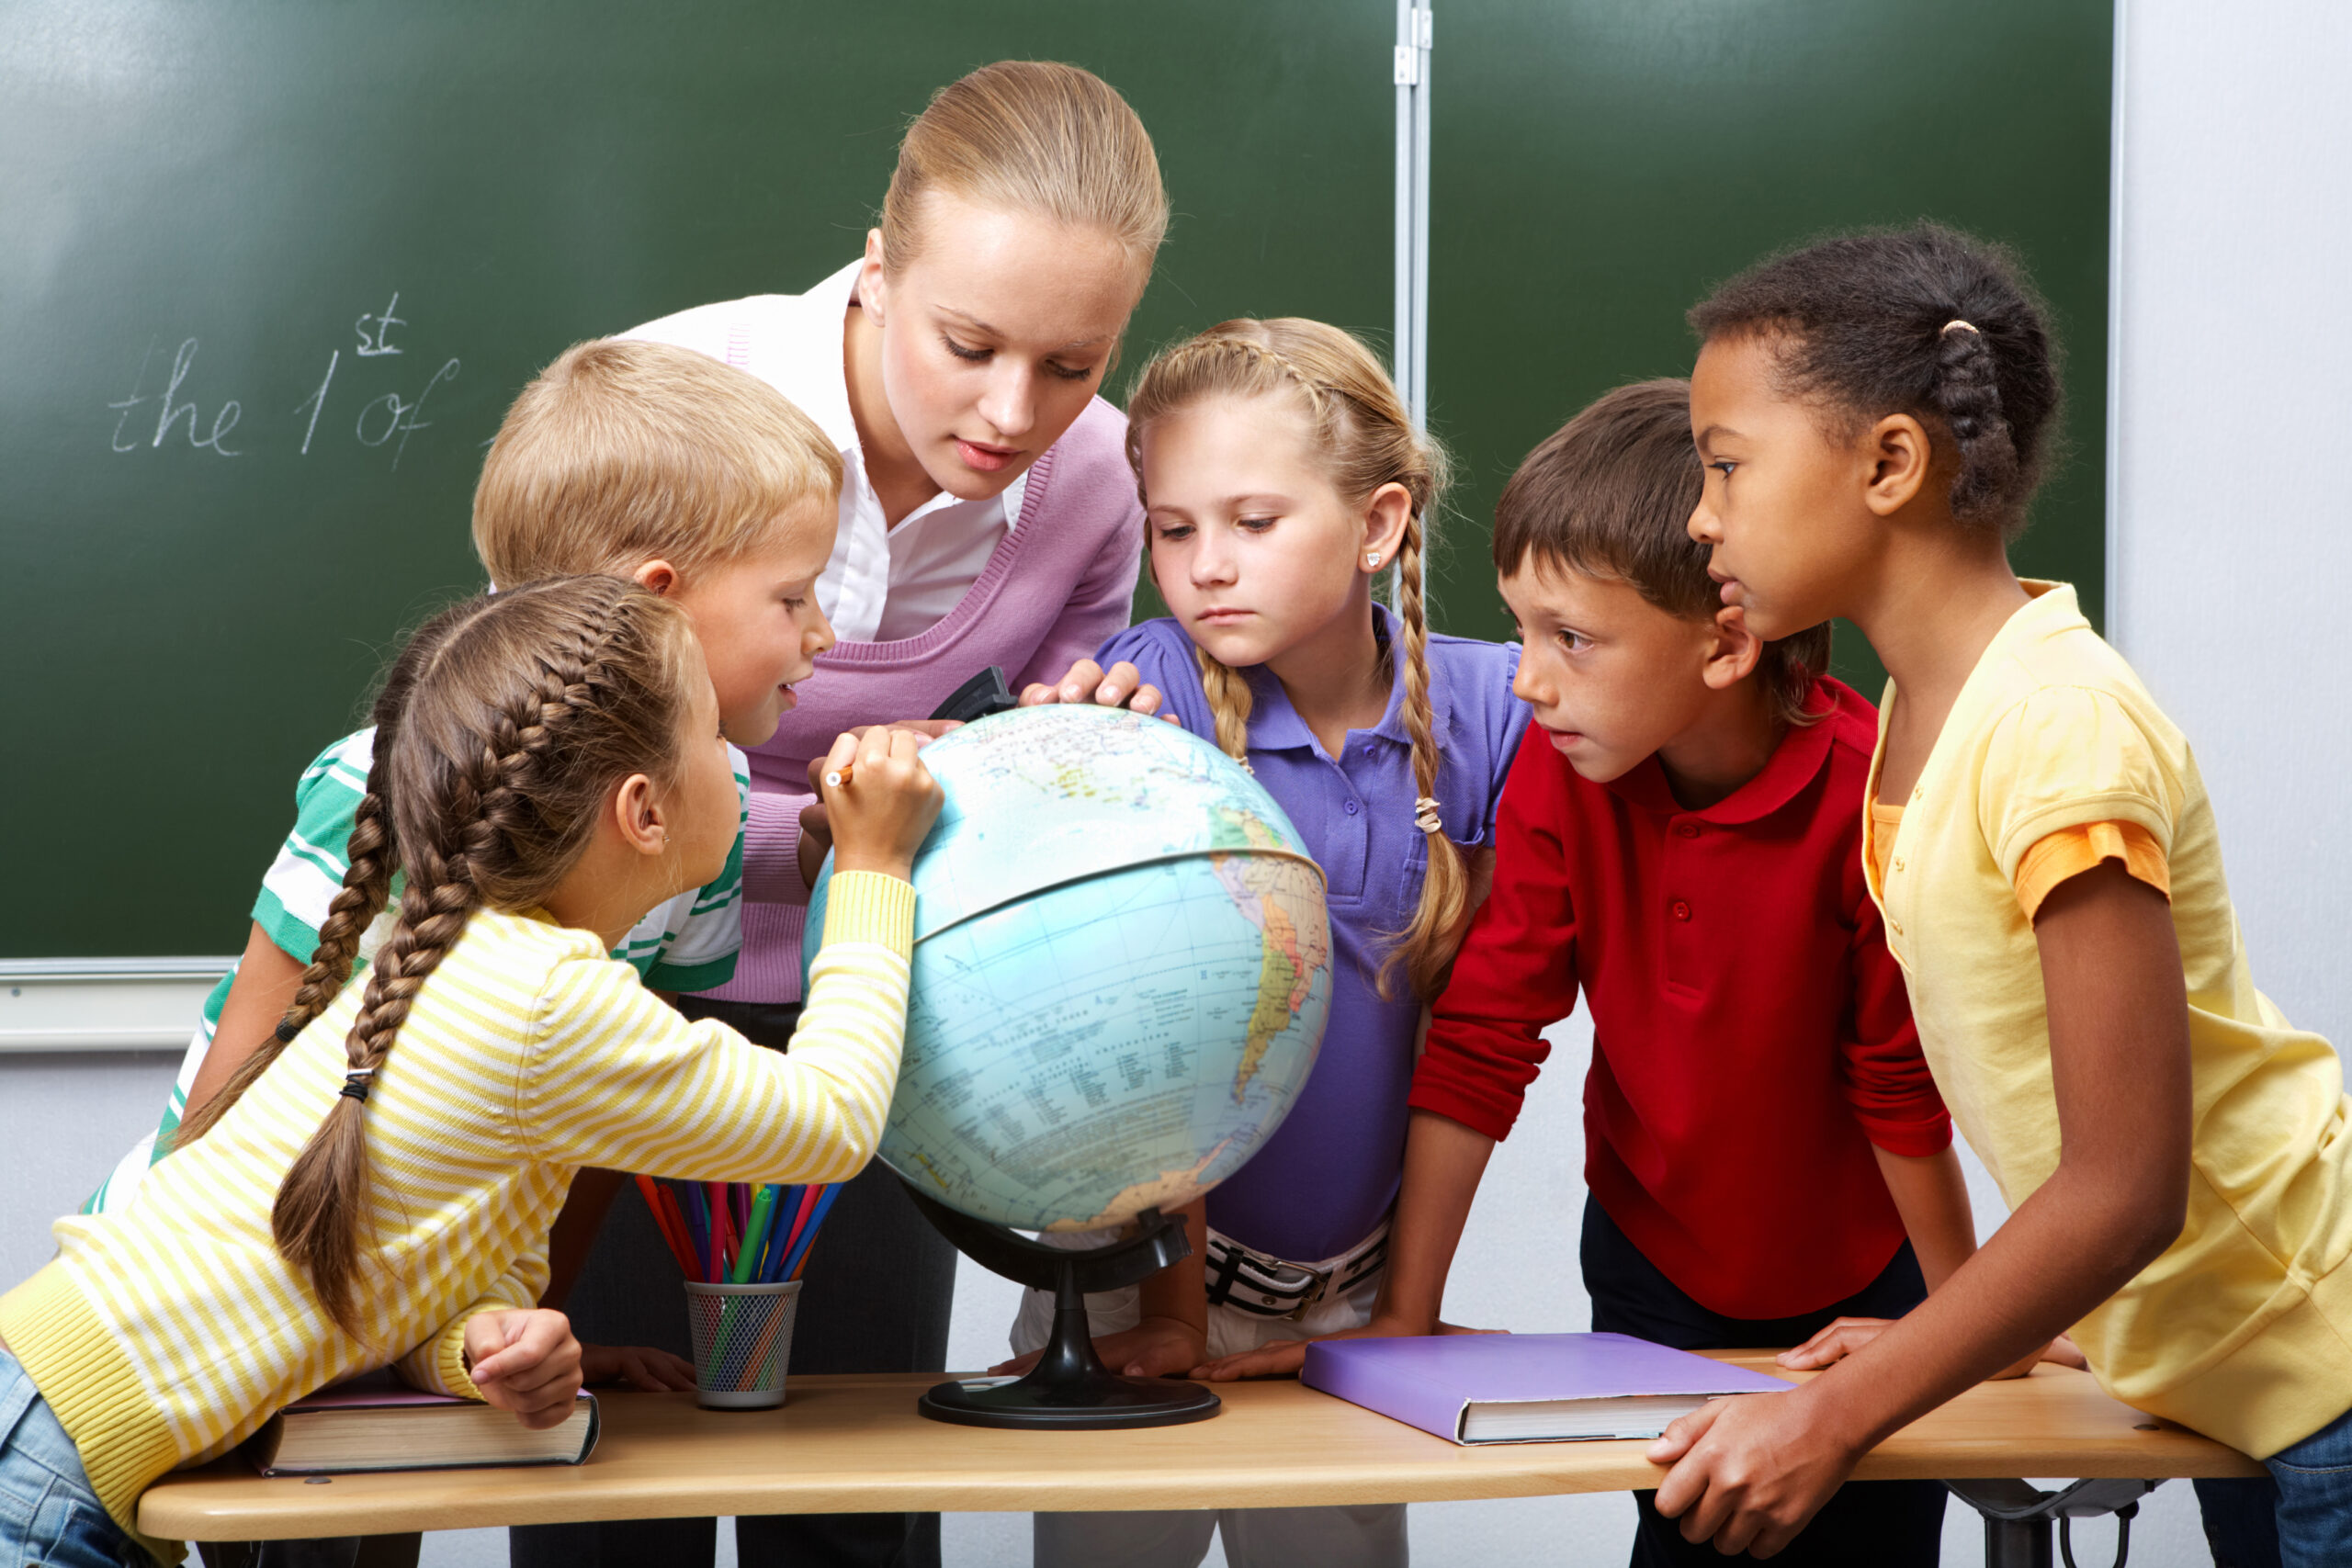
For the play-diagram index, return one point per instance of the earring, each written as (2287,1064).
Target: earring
(1372,559)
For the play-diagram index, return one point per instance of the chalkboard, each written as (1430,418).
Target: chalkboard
(270,272)
(1599,167)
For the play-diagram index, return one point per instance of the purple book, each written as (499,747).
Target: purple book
(1525,1388)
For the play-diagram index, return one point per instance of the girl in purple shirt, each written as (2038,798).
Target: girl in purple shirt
(1281,475)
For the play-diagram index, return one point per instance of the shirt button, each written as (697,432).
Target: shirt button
(1687,829)
(1352,808)
(1681,910)
(1898,862)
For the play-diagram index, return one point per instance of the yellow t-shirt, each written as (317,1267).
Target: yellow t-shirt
(2243,1328)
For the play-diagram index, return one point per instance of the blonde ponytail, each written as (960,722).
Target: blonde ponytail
(1363,432)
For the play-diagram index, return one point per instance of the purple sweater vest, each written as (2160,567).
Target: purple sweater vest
(1058,585)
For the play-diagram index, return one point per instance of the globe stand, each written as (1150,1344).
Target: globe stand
(1069,1388)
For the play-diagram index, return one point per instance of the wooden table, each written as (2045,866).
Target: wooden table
(855,1444)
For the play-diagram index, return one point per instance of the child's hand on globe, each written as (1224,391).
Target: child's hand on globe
(1121,686)
(884,803)
(1284,1357)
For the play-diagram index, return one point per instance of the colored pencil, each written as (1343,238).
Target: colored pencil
(671,1234)
(798,1259)
(761,1211)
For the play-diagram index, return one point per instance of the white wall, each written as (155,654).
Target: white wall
(2231,500)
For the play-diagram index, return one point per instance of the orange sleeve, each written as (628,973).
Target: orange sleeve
(2070,851)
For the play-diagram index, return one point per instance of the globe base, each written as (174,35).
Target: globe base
(1069,1388)
(1082,1405)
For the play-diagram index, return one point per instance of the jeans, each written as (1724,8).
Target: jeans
(1867,1524)
(48,1513)
(2300,1516)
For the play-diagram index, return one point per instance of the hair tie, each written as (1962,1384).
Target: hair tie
(355,1084)
(1425,816)
(1956,325)
(287,1030)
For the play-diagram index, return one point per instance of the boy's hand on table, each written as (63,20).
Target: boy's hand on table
(525,1361)
(1847,1334)
(1750,1470)
(1120,687)
(1284,1357)
(1156,1348)
(641,1367)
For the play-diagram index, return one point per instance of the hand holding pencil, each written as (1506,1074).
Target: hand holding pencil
(879,799)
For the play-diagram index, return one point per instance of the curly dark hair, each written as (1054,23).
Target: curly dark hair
(1925,321)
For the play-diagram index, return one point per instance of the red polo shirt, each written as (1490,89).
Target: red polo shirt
(1751,1035)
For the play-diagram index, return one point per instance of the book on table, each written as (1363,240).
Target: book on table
(373,1425)
(1525,1388)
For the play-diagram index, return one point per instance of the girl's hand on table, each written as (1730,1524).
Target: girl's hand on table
(1122,687)
(885,803)
(1847,1334)
(641,1367)
(525,1361)
(1284,1357)
(1156,1348)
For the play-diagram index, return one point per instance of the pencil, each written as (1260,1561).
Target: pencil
(836,777)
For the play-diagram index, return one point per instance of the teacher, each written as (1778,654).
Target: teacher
(987,516)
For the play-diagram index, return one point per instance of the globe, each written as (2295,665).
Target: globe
(1122,970)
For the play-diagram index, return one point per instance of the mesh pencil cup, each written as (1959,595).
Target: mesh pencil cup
(742,1341)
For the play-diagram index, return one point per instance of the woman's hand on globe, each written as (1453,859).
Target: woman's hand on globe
(1156,1348)
(1122,687)
(1284,1357)
(885,803)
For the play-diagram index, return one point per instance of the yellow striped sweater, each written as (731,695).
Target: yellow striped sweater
(167,1334)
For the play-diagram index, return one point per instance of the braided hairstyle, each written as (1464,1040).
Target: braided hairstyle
(1925,321)
(1366,439)
(518,718)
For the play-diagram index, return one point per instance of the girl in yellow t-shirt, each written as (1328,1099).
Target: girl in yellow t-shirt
(1874,412)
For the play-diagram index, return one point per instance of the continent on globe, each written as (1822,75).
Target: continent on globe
(1121,973)
(1284,901)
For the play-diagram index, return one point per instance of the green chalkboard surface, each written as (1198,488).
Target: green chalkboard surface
(1598,167)
(270,271)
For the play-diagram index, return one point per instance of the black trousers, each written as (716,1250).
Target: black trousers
(875,1298)
(1868,1524)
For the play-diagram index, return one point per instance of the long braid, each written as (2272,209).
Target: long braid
(1425,948)
(1230,699)
(485,827)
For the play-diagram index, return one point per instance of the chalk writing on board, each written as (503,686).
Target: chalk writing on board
(370,346)
(170,409)
(400,418)
(384,419)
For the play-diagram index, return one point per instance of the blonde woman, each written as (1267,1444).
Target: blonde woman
(987,516)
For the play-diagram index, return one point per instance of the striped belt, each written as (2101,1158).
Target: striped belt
(1266,1286)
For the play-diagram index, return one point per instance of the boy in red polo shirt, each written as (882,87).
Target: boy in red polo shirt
(1680,840)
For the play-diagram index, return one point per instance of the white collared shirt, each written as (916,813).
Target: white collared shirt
(883,584)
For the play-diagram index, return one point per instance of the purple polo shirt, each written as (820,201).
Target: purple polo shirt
(1331,1170)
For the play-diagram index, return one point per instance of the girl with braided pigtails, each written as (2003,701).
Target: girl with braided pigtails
(1282,479)
(377,1182)
(1874,412)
